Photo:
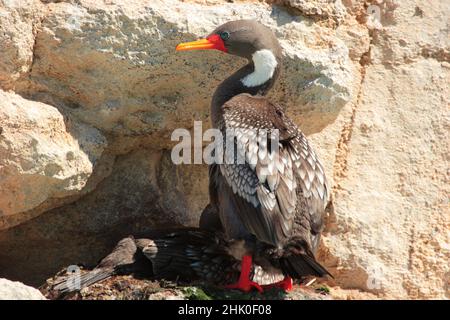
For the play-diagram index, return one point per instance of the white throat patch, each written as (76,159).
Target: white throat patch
(265,64)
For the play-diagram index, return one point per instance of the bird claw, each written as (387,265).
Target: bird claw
(244,283)
(245,286)
(285,284)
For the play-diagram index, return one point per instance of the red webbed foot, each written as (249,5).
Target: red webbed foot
(285,284)
(244,283)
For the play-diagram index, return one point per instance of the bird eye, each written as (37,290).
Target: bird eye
(224,35)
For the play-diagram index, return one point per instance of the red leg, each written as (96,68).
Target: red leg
(285,284)
(244,283)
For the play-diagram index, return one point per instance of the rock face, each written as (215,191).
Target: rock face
(331,10)
(390,228)
(41,157)
(18,21)
(13,290)
(92,90)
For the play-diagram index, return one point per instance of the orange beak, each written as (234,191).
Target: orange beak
(212,42)
(202,44)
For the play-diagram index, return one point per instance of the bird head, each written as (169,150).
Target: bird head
(242,38)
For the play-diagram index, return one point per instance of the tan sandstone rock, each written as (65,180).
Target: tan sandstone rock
(390,229)
(42,155)
(18,22)
(333,10)
(13,290)
(114,66)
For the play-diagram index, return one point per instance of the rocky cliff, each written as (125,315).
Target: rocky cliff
(90,92)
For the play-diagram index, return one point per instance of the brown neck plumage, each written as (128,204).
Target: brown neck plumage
(232,86)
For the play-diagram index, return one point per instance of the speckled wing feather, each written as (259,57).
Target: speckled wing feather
(265,185)
(311,178)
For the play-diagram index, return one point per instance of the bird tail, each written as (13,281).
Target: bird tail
(77,282)
(301,265)
(122,256)
(297,260)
